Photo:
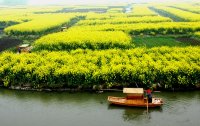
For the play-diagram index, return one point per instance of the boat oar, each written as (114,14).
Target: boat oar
(157,91)
(147,106)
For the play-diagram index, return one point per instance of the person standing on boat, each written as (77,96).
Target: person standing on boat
(149,95)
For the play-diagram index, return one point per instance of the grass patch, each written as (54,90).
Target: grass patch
(150,42)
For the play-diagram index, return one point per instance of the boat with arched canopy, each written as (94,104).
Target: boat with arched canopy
(135,97)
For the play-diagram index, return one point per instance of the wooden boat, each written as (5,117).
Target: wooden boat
(135,98)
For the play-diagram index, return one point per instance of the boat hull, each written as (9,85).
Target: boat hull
(156,102)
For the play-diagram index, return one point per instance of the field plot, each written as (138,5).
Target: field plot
(85,9)
(172,66)
(145,28)
(16,15)
(188,7)
(146,16)
(83,39)
(105,16)
(115,10)
(44,23)
(139,11)
(185,15)
(13,16)
(125,20)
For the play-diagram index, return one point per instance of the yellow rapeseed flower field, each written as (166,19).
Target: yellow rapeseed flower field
(114,66)
(83,39)
(186,15)
(43,23)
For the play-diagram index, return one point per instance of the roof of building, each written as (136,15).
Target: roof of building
(24,45)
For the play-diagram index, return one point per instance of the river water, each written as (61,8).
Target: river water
(27,108)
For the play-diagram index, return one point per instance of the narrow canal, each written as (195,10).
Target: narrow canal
(26,108)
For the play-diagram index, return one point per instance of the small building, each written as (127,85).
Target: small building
(63,28)
(24,48)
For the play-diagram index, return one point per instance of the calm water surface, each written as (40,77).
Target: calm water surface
(25,108)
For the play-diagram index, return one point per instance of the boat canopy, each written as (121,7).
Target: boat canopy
(133,90)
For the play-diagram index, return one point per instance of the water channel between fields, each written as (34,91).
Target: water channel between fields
(27,108)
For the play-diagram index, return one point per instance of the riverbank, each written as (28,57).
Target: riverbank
(96,89)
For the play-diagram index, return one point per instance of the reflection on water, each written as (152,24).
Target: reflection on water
(56,108)
(51,97)
(135,113)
